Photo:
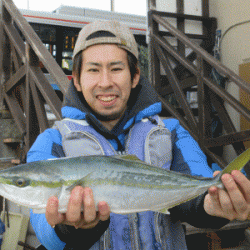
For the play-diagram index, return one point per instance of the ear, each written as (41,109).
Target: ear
(136,79)
(76,82)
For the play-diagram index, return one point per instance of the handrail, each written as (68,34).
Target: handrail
(216,64)
(23,85)
(210,94)
(179,15)
(36,44)
(204,54)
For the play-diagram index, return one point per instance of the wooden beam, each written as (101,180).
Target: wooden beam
(205,8)
(180,26)
(181,98)
(228,139)
(32,127)
(15,79)
(39,106)
(16,112)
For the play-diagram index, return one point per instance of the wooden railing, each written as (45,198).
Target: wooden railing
(23,85)
(211,96)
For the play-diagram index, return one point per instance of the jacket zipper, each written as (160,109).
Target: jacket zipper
(157,228)
(134,234)
(105,240)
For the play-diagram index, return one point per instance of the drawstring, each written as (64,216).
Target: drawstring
(153,120)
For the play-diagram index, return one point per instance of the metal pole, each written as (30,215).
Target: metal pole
(1,54)
(112,5)
(150,6)
(28,5)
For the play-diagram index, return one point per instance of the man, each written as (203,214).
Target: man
(113,110)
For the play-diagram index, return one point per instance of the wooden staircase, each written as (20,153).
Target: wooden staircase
(24,89)
(173,73)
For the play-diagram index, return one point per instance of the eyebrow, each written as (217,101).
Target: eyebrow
(110,64)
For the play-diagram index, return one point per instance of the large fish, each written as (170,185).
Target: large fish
(127,184)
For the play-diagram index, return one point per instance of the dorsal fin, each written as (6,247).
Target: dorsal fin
(127,157)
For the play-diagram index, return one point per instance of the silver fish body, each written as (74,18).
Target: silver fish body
(127,184)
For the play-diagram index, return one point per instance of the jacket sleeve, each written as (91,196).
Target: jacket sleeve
(47,146)
(188,158)
(76,237)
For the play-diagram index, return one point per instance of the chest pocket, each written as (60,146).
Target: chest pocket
(79,139)
(158,148)
(151,143)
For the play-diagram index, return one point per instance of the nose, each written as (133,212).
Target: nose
(106,79)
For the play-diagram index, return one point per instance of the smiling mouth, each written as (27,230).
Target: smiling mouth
(107,98)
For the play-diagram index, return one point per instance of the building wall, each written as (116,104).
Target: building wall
(235,46)
(191,7)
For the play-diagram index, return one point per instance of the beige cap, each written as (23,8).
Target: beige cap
(121,35)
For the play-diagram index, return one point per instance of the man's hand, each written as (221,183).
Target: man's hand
(86,219)
(234,201)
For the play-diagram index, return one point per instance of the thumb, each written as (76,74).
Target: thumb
(216,173)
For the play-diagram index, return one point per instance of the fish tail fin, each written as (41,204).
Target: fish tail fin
(237,164)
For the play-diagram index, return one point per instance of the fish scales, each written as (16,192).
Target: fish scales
(127,184)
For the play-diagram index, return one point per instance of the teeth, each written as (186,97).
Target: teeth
(107,98)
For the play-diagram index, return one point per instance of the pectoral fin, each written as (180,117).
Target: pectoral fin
(163,211)
(81,182)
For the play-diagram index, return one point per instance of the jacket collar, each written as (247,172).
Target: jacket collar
(143,102)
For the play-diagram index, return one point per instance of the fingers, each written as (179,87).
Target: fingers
(90,216)
(52,215)
(81,211)
(89,206)
(243,183)
(73,213)
(212,202)
(234,192)
(102,215)
(237,193)
(233,202)
(218,203)
(104,210)
(227,208)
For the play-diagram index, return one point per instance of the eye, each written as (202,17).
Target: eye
(21,182)
(93,70)
(116,69)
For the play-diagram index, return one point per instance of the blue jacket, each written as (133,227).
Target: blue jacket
(187,158)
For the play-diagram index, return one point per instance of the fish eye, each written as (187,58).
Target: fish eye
(20,182)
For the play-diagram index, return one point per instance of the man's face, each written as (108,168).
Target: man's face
(105,81)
